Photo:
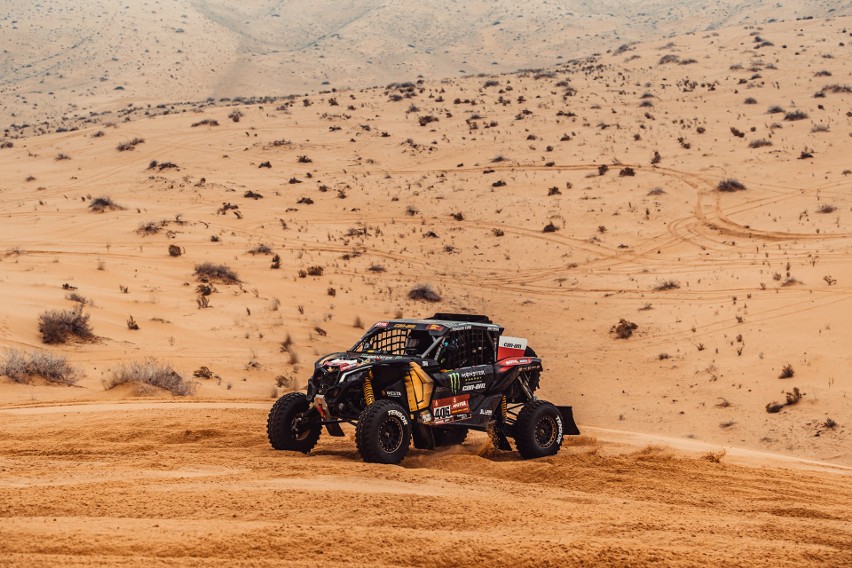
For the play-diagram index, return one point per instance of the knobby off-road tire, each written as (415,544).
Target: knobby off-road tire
(449,436)
(383,432)
(538,430)
(280,425)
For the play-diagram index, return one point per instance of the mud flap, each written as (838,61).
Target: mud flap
(334,429)
(570,427)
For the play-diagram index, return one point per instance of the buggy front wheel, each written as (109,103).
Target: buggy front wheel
(383,432)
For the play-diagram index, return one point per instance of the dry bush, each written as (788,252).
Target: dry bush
(175,250)
(209,272)
(775,109)
(667,285)
(796,115)
(550,228)
(129,145)
(206,122)
(657,191)
(624,329)
(424,292)
(152,373)
(22,366)
(60,326)
(826,208)
(261,249)
(101,204)
(787,372)
(315,270)
(150,228)
(730,185)
(759,143)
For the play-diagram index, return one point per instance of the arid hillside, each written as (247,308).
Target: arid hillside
(667,222)
(63,61)
(697,187)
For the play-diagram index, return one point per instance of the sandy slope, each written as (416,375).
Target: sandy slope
(167,485)
(65,60)
(451,183)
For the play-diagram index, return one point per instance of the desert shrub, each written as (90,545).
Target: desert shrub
(22,366)
(670,58)
(623,329)
(150,228)
(787,372)
(150,373)
(737,133)
(729,185)
(175,250)
(101,204)
(657,191)
(315,270)
(550,228)
(79,298)
(60,326)
(820,128)
(235,115)
(836,89)
(796,115)
(826,208)
(129,145)
(261,249)
(627,172)
(750,101)
(375,267)
(424,292)
(209,272)
(667,285)
(759,143)
(206,122)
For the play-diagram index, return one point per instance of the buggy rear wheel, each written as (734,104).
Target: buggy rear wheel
(538,430)
(383,432)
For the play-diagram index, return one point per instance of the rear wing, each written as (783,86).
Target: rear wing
(511,347)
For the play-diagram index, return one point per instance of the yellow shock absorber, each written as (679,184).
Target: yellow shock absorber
(369,397)
(504,407)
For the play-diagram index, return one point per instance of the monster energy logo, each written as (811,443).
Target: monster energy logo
(455,380)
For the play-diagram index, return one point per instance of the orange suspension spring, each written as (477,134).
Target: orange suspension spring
(504,407)
(369,397)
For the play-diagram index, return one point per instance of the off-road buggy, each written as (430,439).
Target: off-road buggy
(431,380)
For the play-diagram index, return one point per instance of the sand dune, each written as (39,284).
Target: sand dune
(64,62)
(182,487)
(558,201)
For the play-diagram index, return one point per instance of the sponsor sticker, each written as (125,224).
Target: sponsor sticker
(454,405)
(485,412)
(397,394)
(381,324)
(404,326)
(435,327)
(441,413)
(473,387)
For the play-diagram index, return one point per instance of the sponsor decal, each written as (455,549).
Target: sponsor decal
(485,412)
(441,413)
(435,327)
(457,378)
(451,406)
(473,387)
(559,423)
(397,394)
(510,362)
(398,414)
(404,326)
(381,324)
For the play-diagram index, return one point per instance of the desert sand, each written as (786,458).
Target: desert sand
(557,200)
